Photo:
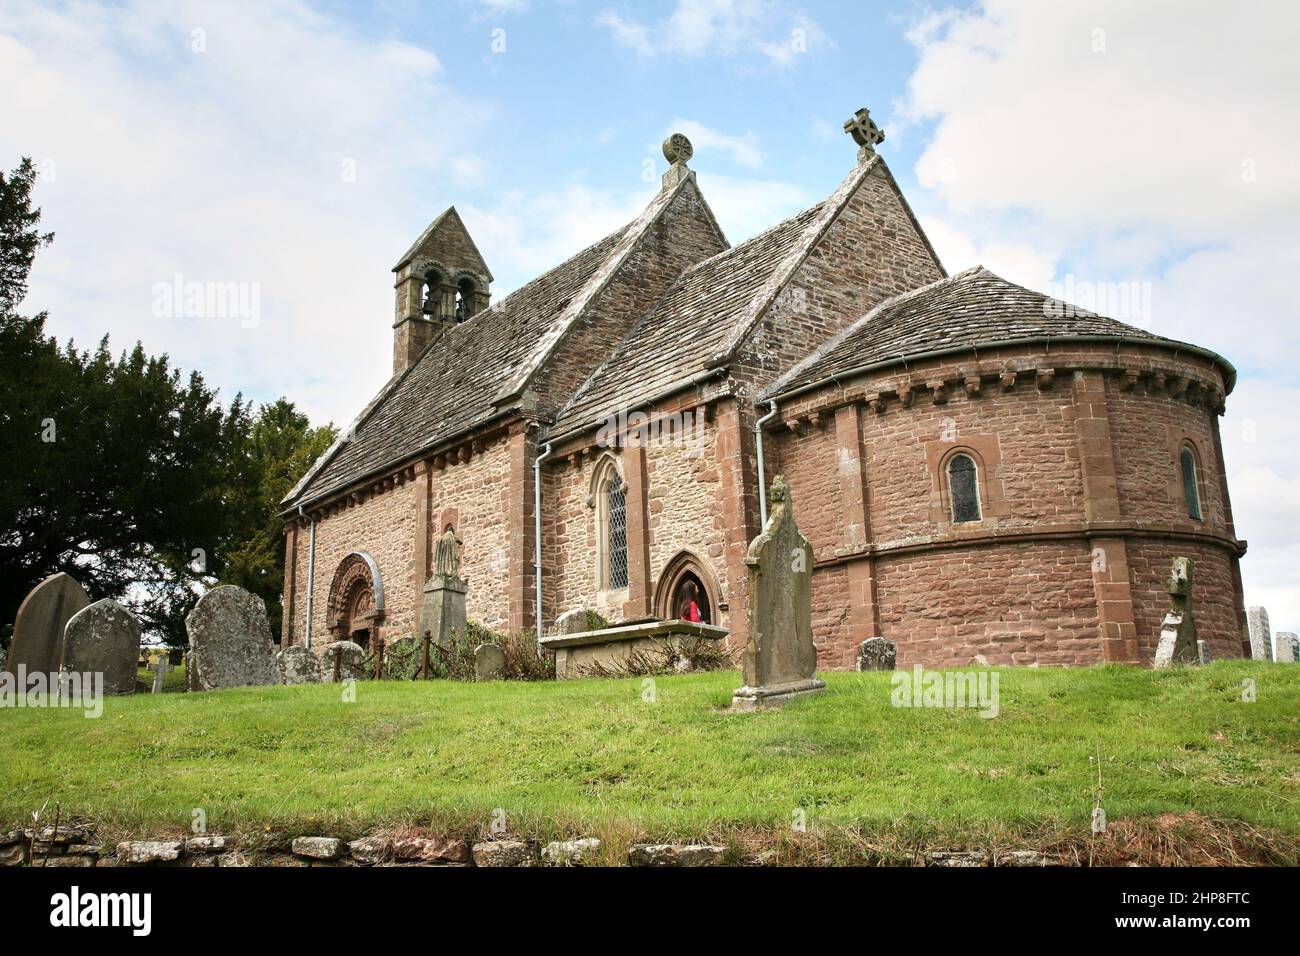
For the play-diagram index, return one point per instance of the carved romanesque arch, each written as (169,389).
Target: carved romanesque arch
(687,565)
(356,600)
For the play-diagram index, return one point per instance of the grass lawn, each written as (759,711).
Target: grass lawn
(591,757)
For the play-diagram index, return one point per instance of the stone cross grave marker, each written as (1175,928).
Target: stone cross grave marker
(1177,643)
(160,667)
(780,659)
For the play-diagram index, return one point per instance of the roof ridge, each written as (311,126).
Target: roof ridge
(633,232)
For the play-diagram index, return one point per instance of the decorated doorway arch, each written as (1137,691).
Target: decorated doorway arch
(356,600)
(687,575)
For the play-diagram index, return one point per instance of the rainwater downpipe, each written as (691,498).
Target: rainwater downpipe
(537,531)
(311,576)
(762,480)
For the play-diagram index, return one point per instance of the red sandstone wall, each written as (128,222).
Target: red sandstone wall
(1017,587)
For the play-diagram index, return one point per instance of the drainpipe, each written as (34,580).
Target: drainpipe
(762,482)
(311,575)
(537,531)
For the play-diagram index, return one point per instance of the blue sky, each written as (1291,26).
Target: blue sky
(1135,158)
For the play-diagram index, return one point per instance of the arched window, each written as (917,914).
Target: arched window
(609,495)
(464,299)
(963,489)
(433,283)
(1191,492)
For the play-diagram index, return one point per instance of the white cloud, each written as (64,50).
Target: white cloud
(1146,142)
(743,149)
(269,148)
(730,28)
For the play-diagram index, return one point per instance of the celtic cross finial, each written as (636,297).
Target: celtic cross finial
(677,149)
(864,130)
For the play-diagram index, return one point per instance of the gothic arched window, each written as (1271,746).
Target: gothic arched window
(1191,493)
(609,496)
(963,489)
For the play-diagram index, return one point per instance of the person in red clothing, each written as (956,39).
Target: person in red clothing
(690,604)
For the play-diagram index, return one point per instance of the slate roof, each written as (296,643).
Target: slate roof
(971,308)
(702,318)
(456,381)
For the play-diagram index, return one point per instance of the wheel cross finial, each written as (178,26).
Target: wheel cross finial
(864,130)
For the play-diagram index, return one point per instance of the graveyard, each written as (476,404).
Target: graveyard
(624,761)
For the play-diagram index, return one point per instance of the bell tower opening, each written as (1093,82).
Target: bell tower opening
(441,281)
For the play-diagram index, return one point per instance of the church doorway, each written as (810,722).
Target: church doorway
(686,581)
(356,600)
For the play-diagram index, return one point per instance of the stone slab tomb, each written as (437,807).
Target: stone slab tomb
(780,659)
(104,638)
(230,641)
(43,616)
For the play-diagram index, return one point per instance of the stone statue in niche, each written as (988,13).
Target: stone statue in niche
(443,613)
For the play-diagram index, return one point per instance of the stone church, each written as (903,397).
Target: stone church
(983,472)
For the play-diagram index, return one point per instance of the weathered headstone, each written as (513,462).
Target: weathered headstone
(160,667)
(1286,649)
(1261,638)
(103,639)
(1203,652)
(230,641)
(298,665)
(877,654)
(443,611)
(780,659)
(37,641)
(573,622)
(489,662)
(1177,644)
(343,660)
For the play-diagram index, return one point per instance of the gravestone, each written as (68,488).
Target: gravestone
(1177,644)
(573,622)
(489,662)
(160,667)
(780,658)
(1286,648)
(1203,653)
(298,665)
(877,654)
(343,660)
(443,611)
(37,642)
(1261,638)
(230,641)
(103,639)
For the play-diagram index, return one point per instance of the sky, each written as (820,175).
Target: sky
(1140,159)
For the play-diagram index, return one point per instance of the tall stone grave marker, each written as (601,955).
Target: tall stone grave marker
(230,641)
(1286,648)
(1177,643)
(780,659)
(103,639)
(42,617)
(443,611)
(1261,638)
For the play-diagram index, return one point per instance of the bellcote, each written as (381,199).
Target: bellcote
(440,281)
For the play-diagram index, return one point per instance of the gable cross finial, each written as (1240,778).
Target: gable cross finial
(864,131)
